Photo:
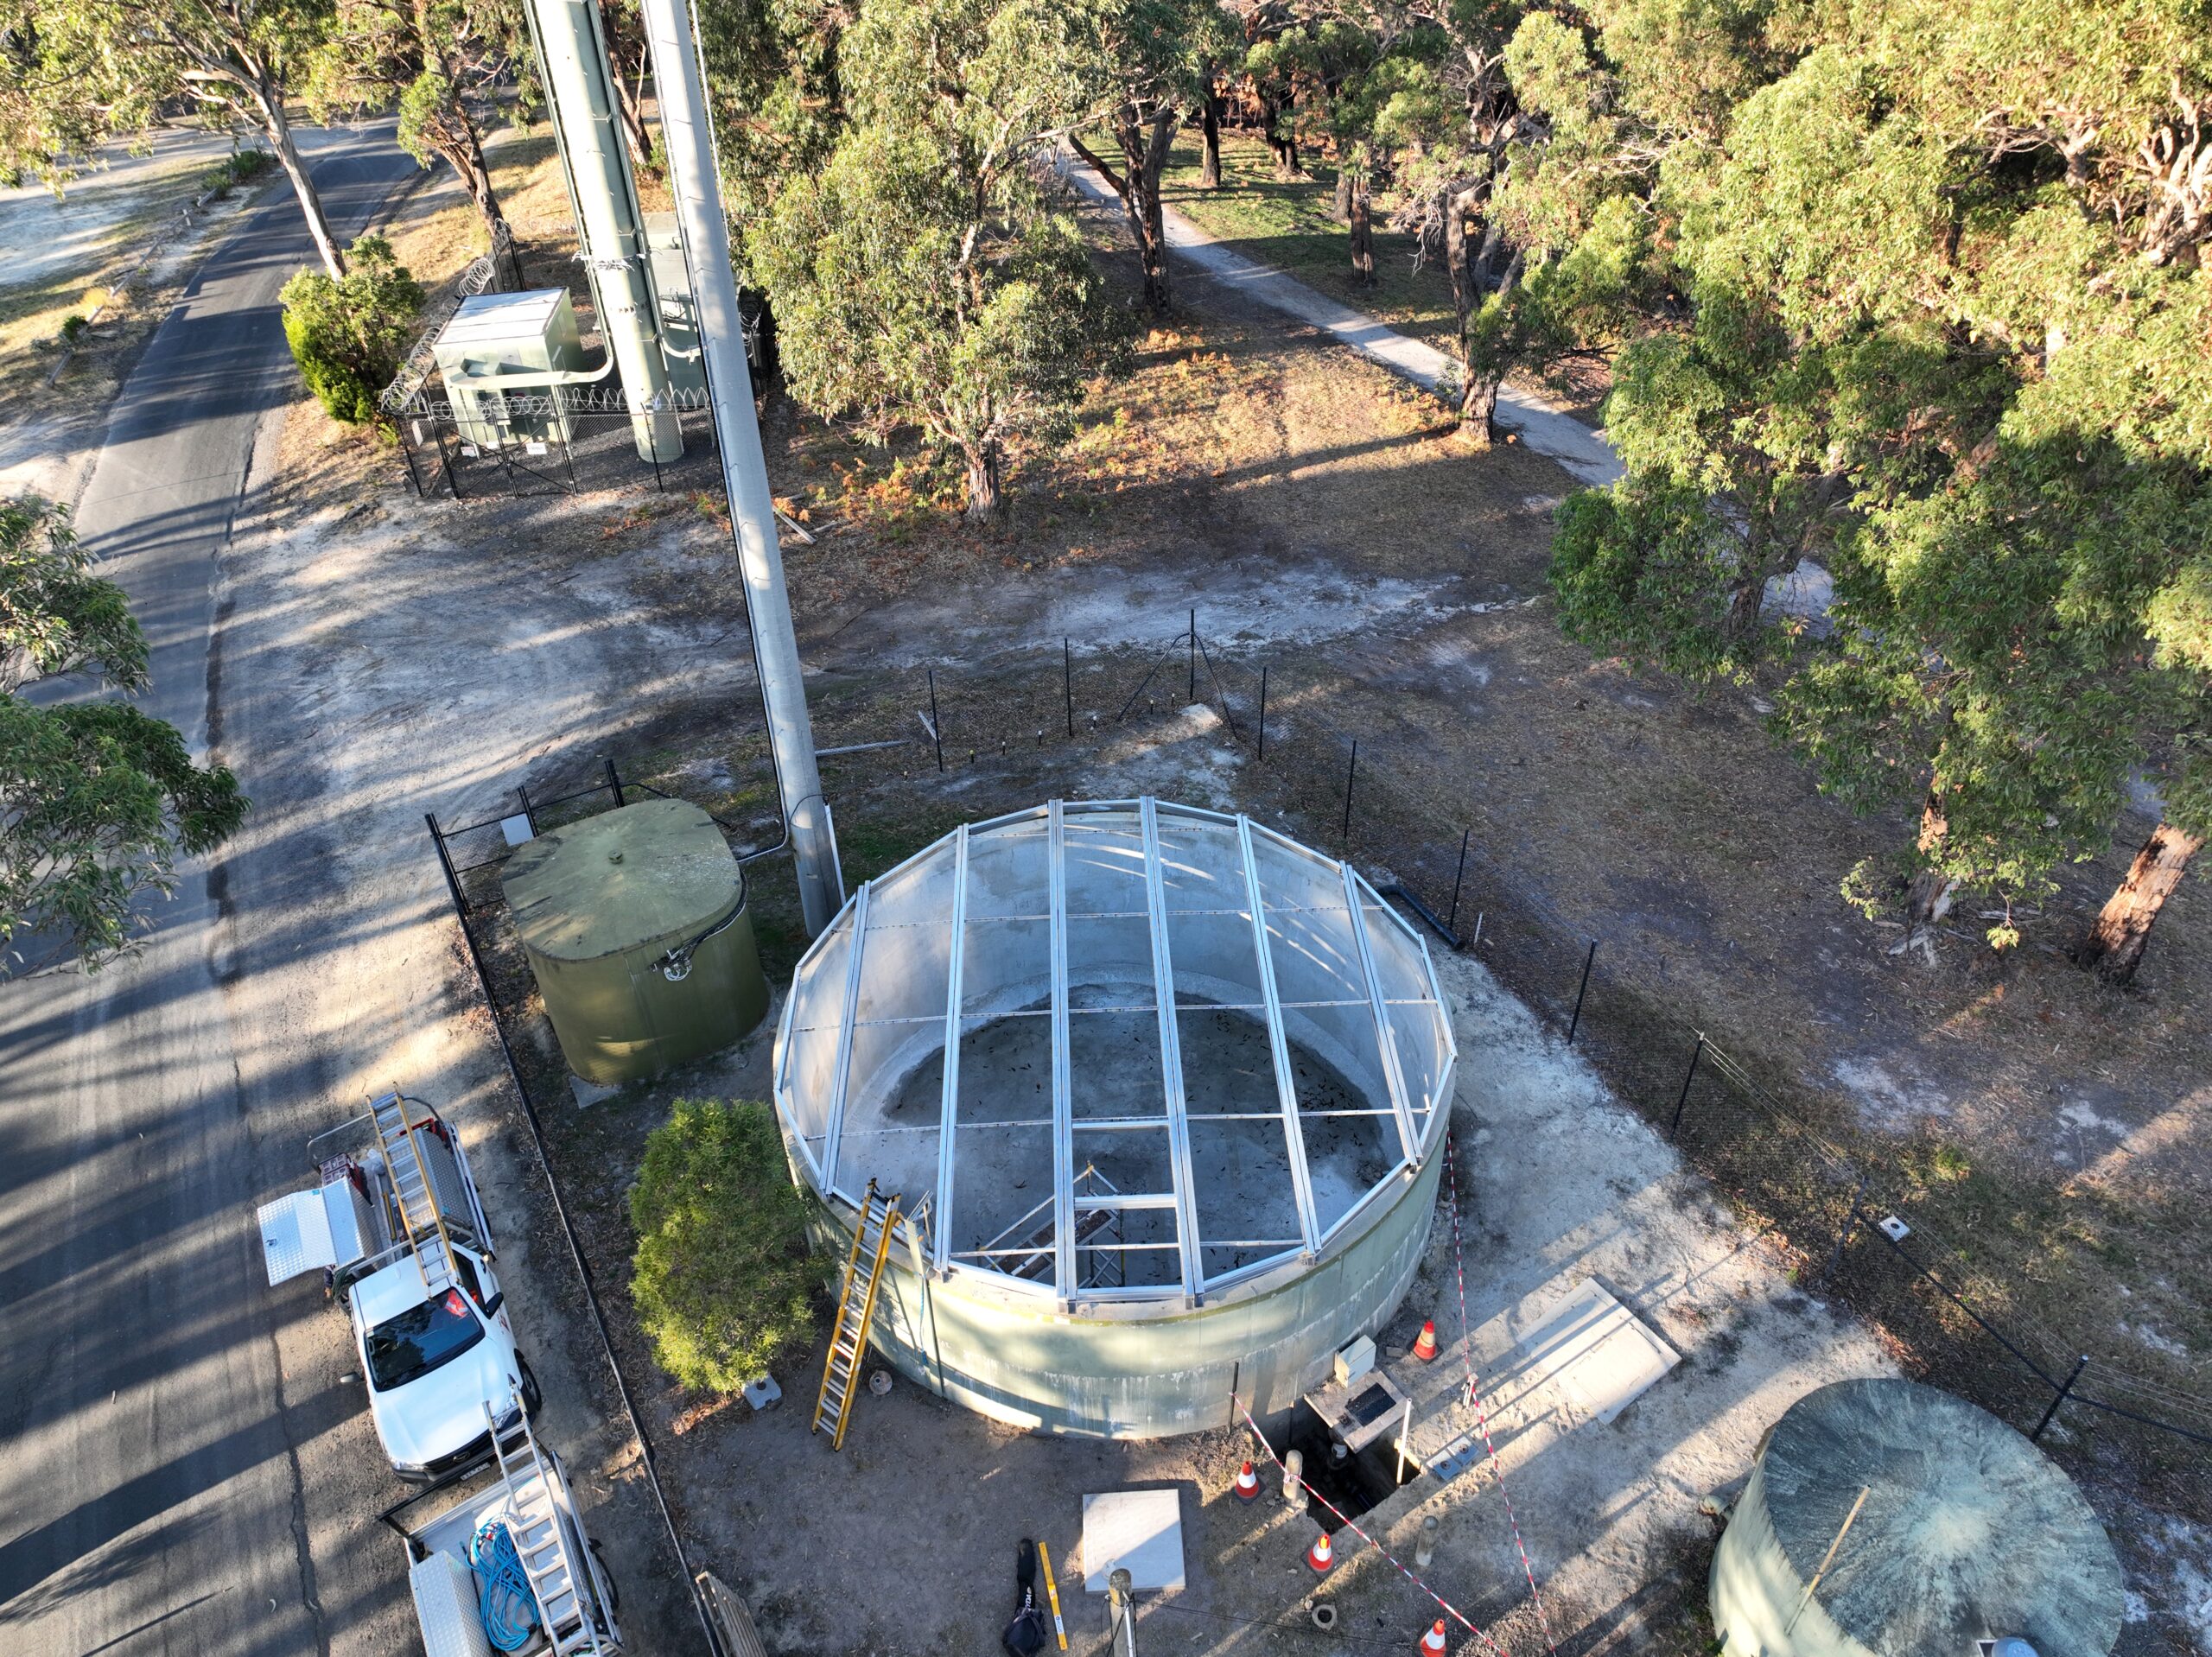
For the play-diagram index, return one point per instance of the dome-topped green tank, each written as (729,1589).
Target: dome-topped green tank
(635,924)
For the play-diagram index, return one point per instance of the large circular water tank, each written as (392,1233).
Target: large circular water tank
(1968,1531)
(1161,1092)
(635,924)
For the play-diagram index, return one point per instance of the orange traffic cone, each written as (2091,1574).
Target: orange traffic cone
(1321,1556)
(1425,1348)
(1432,1643)
(1247,1483)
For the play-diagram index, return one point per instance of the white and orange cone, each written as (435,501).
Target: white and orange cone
(1425,1348)
(1321,1556)
(1432,1643)
(1248,1484)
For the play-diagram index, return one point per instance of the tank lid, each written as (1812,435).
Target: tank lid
(652,873)
(1968,1530)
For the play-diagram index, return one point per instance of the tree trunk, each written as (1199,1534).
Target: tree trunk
(1144,158)
(1362,236)
(626,97)
(2115,944)
(1459,208)
(279,133)
(1478,411)
(1340,204)
(1283,148)
(986,499)
(1928,898)
(1209,139)
(463,149)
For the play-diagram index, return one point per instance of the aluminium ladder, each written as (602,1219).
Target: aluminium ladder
(833,1407)
(419,1216)
(541,1540)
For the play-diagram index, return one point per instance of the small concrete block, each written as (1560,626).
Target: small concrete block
(1141,1531)
(761,1392)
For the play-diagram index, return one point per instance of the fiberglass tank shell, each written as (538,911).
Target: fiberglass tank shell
(609,910)
(1967,1532)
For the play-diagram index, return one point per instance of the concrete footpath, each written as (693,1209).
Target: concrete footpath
(1543,423)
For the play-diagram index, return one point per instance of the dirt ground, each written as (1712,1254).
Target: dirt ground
(1324,521)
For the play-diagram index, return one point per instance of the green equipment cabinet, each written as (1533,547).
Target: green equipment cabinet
(493,335)
(636,926)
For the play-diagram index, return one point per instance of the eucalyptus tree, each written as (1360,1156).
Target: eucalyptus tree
(75,75)
(445,65)
(924,276)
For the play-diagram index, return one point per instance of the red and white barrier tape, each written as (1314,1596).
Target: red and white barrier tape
(1447,1605)
(1475,1397)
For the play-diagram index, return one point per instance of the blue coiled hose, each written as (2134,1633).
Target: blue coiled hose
(503,1598)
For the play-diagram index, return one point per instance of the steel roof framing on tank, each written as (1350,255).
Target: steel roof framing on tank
(1171,1053)
(836,1133)
(1293,1131)
(1385,1035)
(1056,866)
(948,1108)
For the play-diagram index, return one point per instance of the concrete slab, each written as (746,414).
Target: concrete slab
(1139,1531)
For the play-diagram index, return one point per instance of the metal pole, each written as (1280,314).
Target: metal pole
(444,464)
(1850,1230)
(614,781)
(1350,777)
(1405,1431)
(529,816)
(1262,754)
(1194,695)
(1581,990)
(687,139)
(1452,922)
(937,729)
(1067,682)
(1123,1625)
(2064,1392)
(573,66)
(1696,1053)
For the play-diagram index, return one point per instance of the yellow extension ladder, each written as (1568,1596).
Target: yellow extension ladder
(419,1219)
(833,1407)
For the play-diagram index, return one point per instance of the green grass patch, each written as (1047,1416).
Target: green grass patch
(1288,226)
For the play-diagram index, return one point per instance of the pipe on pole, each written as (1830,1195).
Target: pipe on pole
(687,133)
(609,218)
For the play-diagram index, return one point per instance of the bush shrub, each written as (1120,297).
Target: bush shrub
(721,1279)
(350,336)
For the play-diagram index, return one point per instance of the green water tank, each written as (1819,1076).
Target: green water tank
(635,924)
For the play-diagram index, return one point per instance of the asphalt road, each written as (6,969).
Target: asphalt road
(154,1482)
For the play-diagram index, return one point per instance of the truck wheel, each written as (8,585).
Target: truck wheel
(532,1399)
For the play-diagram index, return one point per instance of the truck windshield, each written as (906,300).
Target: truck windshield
(420,1339)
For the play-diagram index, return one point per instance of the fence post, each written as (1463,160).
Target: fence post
(1451,922)
(408,449)
(1350,777)
(1684,1098)
(614,781)
(2064,1392)
(1067,682)
(937,727)
(1262,754)
(529,813)
(1193,697)
(1850,1230)
(1581,990)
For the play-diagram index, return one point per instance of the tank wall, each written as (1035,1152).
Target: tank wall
(619,1021)
(1093,1376)
(1754,1592)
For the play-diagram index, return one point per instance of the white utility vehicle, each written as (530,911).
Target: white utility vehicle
(398,1230)
(498,1559)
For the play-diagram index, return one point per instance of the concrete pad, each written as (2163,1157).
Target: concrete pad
(1598,1352)
(1139,1531)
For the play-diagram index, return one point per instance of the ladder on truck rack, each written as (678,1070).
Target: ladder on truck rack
(833,1407)
(541,1542)
(419,1218)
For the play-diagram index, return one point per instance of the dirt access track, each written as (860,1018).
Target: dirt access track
(392,656)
